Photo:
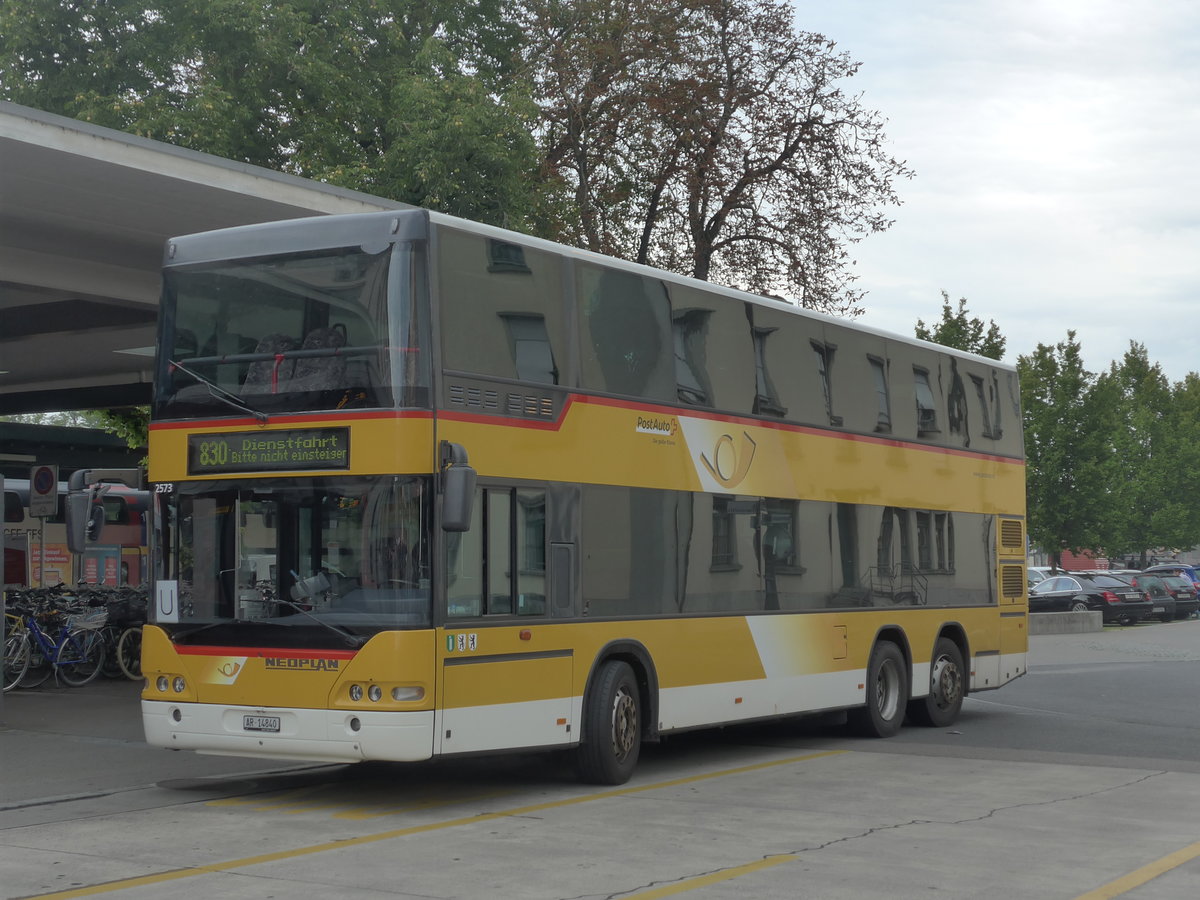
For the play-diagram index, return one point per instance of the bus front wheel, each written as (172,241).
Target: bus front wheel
(947,687)
(887,693)
(612,726)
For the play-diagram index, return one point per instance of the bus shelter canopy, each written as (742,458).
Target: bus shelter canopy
(84,214)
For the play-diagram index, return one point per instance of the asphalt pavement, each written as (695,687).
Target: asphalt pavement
(60,742)
(720,817)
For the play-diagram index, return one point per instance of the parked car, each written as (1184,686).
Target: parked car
(1187,599)
(1160,595)
(1191,573)
(1038,574)
(1114,599)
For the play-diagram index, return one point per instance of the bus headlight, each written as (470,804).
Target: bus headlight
(178,684)
(408,694)
(162,683)
(356,692)
(375,692)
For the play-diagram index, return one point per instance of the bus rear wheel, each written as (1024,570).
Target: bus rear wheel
(946,688)
(887,693)
(612,726)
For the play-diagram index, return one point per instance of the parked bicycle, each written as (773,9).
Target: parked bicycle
(50,635)
(16,651)
(126,608)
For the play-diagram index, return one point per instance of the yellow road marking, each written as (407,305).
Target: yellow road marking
(1146,873)
(314,799)
(227,865)
(1113,889)
(704,880)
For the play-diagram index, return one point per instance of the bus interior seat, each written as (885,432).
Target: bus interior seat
(322,373)
(271,376)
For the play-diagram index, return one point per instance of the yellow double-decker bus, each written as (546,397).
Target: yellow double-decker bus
(424,488)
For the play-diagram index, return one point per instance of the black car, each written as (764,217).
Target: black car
(1162,598)
(1187,601)
(1116,600)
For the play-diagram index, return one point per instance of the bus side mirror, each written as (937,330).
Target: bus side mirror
(95,523)
(85,519)
(78,510)
(458,488)
(85,512)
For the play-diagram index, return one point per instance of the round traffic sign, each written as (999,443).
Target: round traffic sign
(44,480)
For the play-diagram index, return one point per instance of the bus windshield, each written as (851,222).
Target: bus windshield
(297,562)
(286,333)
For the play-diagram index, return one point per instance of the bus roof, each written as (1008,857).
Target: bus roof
(263,239)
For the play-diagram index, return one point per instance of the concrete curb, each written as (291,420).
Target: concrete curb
(1065,622)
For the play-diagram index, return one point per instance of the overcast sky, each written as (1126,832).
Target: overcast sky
(1056,145)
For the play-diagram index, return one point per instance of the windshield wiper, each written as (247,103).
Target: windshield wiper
(219,393)
(205,627)
(351,639)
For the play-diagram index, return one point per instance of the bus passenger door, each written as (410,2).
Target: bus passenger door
(506,669)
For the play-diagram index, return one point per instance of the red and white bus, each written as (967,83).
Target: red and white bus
(36,553)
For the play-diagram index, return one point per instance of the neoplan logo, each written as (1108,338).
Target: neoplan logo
(302,665)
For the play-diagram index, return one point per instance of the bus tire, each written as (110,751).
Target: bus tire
(947,687)
(612,726)
(887,693)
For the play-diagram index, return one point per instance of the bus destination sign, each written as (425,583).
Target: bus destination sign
(295,450)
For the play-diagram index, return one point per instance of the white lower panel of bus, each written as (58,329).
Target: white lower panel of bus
(508,726)
(990,671)
(308,734)
(698,705)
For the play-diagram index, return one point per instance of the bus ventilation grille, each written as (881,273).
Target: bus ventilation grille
(532,407)
(1012,534)
(474,397)
(1012,581)
(525,406)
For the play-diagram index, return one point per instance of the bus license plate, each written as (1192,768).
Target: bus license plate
(260,723)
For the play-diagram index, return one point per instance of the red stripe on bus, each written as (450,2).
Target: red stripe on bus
(675,412)
(284,653)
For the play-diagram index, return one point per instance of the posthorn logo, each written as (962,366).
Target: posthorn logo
(731,460)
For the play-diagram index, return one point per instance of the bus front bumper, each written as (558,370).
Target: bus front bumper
(314,735)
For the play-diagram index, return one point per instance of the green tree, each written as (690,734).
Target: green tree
(1183,447)
(1148,510)
(962,333)
(1068,462)
(410,99)
(712,138)
(131,425)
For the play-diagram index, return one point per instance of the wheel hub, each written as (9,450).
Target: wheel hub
(624,724)
(946,683)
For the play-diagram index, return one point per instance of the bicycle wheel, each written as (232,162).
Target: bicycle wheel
(112,667)
(80,656)
(16,659)
(39,667)
(129,652)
